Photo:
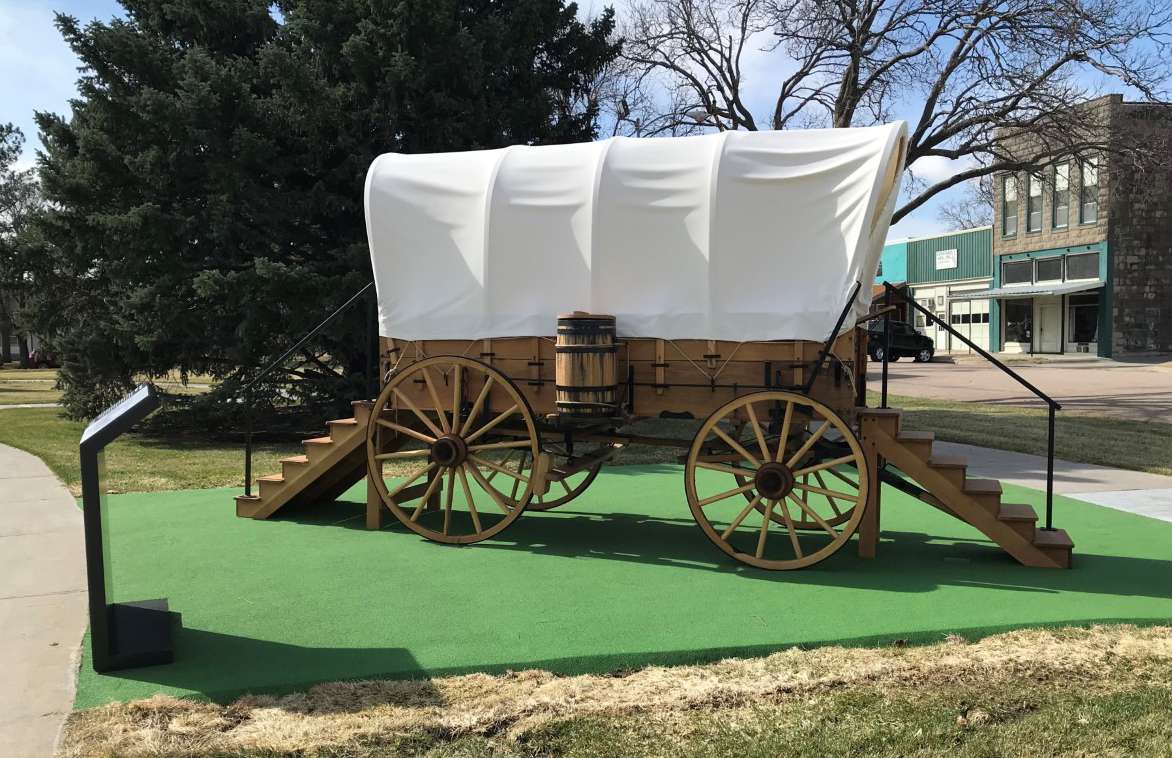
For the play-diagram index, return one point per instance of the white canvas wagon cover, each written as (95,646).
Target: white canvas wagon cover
(730,236)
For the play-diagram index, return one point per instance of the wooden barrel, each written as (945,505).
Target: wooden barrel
(585,365)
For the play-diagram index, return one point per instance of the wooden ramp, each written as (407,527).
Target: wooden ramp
(948,487)
(329,466)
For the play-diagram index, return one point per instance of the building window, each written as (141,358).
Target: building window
(1017,272)
(1009,205)
(1061,196)
(1089,193)
(1019,320)
(1084,318)
(1082,266)
(1049,270)
(1034,205)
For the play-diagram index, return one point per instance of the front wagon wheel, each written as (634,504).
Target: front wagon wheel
(770,443)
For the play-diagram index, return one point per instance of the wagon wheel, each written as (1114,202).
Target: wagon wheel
(774,466)
(564,490)
(444,493)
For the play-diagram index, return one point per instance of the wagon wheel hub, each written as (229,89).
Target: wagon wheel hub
(773,481)
(449,450)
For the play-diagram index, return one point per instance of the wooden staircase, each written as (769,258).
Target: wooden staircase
(329,466)
(948,487)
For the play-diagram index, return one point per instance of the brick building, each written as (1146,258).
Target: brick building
(1082,249)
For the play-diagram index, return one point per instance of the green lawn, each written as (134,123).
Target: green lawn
(620,578)
(137,462)
(1104,441)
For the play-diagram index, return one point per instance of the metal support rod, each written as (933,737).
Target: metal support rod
(1050,474)
(248,444)
(372,350)
(828,345)
(886,340)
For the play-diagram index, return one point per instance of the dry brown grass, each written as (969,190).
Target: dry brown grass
(351,717)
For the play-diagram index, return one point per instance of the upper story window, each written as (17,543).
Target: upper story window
(1017,272)
(1034,205)
(1089,193)
(1061,216)
(1009,205)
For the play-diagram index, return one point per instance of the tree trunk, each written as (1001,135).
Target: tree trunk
(5,345)
(22,340)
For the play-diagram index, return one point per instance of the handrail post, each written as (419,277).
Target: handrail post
(372,348)
(886,339)
(248,444)
(1050,474)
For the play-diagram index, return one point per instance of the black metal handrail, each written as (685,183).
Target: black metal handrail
(888,292)
(247,390)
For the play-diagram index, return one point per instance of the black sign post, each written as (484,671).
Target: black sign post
(122,635)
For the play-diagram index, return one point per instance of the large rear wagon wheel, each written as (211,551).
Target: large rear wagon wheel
(768,442)
(443,451)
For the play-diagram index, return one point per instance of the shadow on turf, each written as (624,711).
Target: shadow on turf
(223,667)
(908,561)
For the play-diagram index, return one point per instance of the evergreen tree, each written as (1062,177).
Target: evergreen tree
(206,194)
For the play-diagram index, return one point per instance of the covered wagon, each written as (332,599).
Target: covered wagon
(541,308)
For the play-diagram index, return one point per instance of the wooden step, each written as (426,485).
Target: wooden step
(294,466)
(951,467)
(362,410)
(919,443)
(317,448)
(269,485)
(247,505)
(987,492)
(886,419)
(1055,543)
(1022,518)
(343,427)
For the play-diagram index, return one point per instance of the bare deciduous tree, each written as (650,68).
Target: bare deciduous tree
(973,208)
(963,73)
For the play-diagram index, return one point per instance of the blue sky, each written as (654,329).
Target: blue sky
(39,72)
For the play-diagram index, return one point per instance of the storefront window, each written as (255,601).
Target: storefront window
(1019,320)
(1084,318)
(1082,266)
(1017,272)
(1050,269)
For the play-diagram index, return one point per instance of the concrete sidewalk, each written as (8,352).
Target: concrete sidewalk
(42,604)
(1131,491)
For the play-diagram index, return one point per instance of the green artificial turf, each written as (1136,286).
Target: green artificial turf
(620,578)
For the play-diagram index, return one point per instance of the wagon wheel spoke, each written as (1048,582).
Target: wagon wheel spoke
(439,407)
(506,459)
(736,446)
(757,430)
(741,517)
(476,407)
(725,495)
(832,501)
(469,499)
(426,497)
(451,490)
(827,493)
(499,446)
(498,468)
(487,487)
(420,414)
(457,395)
(470,438)
(404,430)
(800,503)
(824,465)
(793,533)
(809,443)
(783,436)
(400,455)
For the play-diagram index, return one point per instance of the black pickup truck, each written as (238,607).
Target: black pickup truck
(906,342)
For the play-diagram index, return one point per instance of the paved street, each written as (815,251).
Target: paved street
(1141,391)
(42,604)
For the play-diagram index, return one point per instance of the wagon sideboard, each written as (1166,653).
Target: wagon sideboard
(670,377)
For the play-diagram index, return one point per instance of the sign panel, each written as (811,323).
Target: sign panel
(945,259)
